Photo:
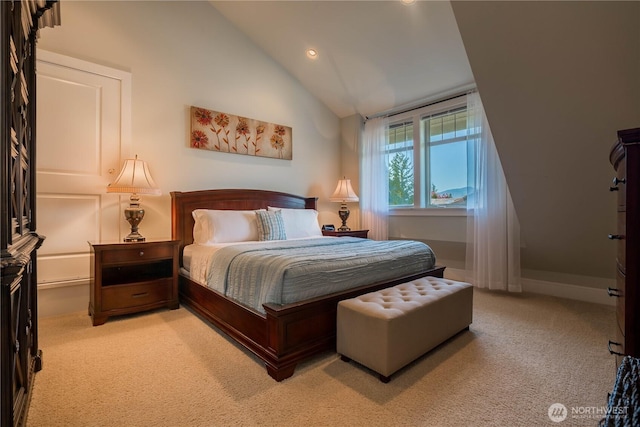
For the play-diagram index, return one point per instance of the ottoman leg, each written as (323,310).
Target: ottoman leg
(384,378)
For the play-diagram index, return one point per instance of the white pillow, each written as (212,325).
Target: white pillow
(299,222)
(224,226)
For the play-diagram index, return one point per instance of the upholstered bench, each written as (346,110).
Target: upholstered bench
(388,329)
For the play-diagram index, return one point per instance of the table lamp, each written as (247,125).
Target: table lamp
(134,178)
(344,193)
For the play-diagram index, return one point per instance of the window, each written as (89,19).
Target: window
(400,152)
(427,156)
(446,139)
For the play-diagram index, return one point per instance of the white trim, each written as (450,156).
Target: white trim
(555,289)
(437,97)
(563,290)
(411,211)
(432,109)
(63,283)
(79,64)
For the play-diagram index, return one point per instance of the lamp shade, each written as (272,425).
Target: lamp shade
(134,178)
(344,192)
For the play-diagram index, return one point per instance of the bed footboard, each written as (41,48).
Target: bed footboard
(288,333)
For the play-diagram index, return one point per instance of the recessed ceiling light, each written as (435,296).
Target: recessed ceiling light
(408,2)
(312,53)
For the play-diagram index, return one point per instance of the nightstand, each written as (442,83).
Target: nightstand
(351,233)
(132,277)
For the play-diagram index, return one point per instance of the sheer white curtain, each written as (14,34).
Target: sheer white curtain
(374,180)
(493,230)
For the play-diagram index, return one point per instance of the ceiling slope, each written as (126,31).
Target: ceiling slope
(373,55)
(557,80)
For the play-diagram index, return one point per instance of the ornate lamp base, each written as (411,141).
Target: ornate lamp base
(344,215)
(134,214)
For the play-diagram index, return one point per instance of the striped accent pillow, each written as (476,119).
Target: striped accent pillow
(270,225)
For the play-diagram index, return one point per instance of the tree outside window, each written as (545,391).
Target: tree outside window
(400,180)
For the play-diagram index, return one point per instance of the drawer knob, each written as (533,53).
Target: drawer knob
(613,189)
(615,236)
(141,253)
(617,353)
(617,181)
(613,292)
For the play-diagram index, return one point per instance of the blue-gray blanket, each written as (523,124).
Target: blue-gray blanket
(289,271)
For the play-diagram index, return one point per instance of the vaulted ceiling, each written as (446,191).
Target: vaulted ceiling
(372,55)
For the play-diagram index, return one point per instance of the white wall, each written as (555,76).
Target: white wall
(351,136)
(184,53)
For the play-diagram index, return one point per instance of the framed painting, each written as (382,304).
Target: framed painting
(216,131)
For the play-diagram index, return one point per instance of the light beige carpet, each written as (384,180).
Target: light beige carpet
(169,368)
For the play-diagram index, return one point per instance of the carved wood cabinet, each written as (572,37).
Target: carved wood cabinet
(20,357)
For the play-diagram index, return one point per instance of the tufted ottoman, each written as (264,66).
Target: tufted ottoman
(388,329)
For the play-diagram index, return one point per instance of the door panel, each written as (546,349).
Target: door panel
(82,130)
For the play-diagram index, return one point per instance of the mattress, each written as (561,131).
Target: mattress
(288,271)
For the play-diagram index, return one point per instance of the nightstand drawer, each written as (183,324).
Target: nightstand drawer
(143,253)
(125,296)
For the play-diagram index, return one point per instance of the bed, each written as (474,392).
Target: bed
(281,335)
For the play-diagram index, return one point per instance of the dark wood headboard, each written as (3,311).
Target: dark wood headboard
(183,203)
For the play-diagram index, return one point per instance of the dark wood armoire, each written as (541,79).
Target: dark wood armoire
(20,356)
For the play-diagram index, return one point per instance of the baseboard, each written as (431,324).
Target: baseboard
(555,289)
(66,298)
(563,290)
(454,274)
(70,297)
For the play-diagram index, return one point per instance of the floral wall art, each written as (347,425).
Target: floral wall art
(215,131)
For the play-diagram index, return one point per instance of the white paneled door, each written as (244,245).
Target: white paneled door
(83,132)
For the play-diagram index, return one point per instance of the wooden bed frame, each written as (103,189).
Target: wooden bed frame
(288,333)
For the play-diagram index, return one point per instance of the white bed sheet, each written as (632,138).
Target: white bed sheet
(196,259)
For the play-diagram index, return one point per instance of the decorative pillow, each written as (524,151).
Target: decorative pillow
(299,222)
(223,226)
(270,225)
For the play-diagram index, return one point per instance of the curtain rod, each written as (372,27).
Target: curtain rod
(434,99)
